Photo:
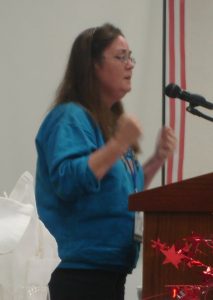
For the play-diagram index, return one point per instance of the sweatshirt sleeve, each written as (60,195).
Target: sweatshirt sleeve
(67,149)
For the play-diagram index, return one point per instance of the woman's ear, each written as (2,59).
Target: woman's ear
(97,68)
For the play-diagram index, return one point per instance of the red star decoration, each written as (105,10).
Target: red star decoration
(172,256)
(158,245)
(186,248)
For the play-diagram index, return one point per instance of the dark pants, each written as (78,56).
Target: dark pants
(66,284)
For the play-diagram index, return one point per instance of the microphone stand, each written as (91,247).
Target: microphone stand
(191,108)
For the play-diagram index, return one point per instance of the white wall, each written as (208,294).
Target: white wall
(199,64)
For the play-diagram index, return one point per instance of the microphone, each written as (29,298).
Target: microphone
(174,91)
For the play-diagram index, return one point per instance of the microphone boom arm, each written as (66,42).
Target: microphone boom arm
(196,112)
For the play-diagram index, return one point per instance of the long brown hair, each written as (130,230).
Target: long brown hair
(79,83)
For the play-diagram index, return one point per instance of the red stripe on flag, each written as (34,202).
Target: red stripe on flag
(171,79)
(183,86)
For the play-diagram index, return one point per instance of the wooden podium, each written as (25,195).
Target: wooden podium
(171,213)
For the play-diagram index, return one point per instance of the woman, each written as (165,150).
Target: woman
(87,168)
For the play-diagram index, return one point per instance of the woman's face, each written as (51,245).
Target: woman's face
(114,72)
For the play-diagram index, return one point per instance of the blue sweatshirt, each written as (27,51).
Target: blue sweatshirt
(88,218)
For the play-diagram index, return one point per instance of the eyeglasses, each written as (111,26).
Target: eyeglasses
(125,58)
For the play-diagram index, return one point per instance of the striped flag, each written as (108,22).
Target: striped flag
(175,73)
